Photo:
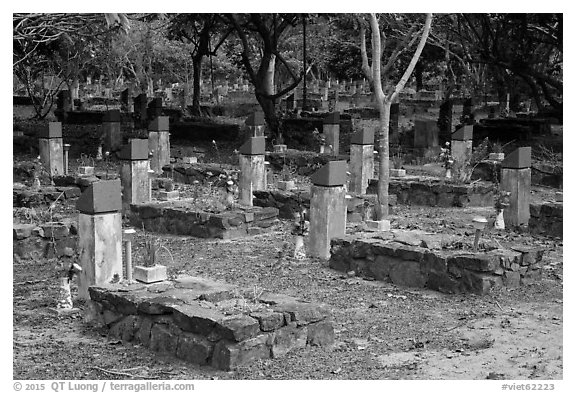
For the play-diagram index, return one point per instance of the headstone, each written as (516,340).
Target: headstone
(155,108)
(516,179)
(134,173)
(159,143)
(331,129)
(51,149)
(112,131)
(333,100)
(327,207)
(256,124)
(99,235)
(467,116)
(252,169)
(361,160)
(461,145)
(125,99)
(64,101)
(425,134)
(290,103)
(140,108)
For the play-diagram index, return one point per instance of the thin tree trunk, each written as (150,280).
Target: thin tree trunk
(197,74)
(384,153)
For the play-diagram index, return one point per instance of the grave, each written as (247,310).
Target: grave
(51,149)
(252,169)
(155,108)
(180,218)
(207,322)
(140,108)
(431,191)
(461,146)
(425,134)
(516,179)
(112,131)
(327,207)
(99,235)
(256,124)
(424,260)
(159,143)
(361,160)
(546,219)
(134,173)
(331,130)
(55,239)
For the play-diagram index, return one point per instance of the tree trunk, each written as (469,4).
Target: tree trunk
(197,75)
(384,153)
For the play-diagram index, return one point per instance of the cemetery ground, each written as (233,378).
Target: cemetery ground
(382,331)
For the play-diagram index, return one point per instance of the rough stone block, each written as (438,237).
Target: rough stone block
(408,274)
(22,231)
(238,328)
(55,230)
(476,262)
(302,313)
(194,348)
(320,334)
(229,355)
(163,339)
(196,319)
(287,339)
(269,321)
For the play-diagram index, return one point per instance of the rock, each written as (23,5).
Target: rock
(22,231)
(321,334)
(288,338)
(238,328)
(194,348)
(229,355)
(196,319)
(269,321)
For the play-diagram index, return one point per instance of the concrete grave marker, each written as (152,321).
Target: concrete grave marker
(361,160)
(461,145)
(516,179)
(256,124)
(252,169)
(52,149)
(99,235)
(331,129)
(112,131)
(134,173)
(159,143)
(327,207)
(425,134)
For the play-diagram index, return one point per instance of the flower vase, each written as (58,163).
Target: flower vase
(499,223)
(448,173)
(322,149)
(64,294)
(99,153)
(299,251)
